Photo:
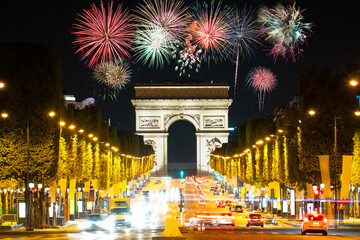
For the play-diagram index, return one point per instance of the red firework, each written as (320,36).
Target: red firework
(262,80)
(103,36)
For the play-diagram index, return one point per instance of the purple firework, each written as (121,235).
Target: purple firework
(262,80)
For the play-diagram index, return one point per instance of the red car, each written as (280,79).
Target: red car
(220,203)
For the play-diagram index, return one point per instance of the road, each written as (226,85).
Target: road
(165,191)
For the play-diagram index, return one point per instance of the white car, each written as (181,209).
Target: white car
(314,223)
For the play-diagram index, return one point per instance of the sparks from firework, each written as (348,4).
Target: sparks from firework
(102,35)
(212,31)
(168,15)
(244,36)
(284,28)
(111,78)
(152,47)
(262,80)
(159,25)
(188,56)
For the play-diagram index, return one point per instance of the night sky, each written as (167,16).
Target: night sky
(333,44)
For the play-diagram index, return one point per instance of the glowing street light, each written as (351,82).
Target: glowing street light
(52,114)
(81,130)
(4,115)
(354,82)
(91,135)
(2,85)
(357,113)
(72,126)
(312,112)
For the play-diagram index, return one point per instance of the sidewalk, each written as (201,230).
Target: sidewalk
(71,226)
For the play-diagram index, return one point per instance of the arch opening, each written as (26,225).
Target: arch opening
(181,149)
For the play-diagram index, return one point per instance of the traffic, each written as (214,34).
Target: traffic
(203,205)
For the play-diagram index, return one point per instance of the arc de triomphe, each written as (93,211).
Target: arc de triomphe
(205,105)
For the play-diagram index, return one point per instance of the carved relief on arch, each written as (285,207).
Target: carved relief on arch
(212,145)
(153,144)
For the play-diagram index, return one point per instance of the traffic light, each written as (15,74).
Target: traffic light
(36,191)
(316,193)
(181,174)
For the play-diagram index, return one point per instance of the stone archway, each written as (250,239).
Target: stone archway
(206,106)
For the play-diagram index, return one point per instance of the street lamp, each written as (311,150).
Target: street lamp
(353,82)
(312,112)
(2,85)
(4,115)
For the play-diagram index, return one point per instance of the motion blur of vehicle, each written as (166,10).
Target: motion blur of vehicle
(314,223)
(97,222)
(255,219)
(220,204)
(270,219)
(120,212)
(212,219)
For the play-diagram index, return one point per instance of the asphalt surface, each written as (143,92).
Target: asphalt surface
(165,191)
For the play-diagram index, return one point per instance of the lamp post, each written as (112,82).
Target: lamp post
(28,184)
(312,113)
(336,159)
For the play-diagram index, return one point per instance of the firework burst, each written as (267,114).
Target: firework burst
(168,15)
(284,28)
(244,36)
(111,78)
(152,47)
(102,35)
(262,81)
(188,58)
(160,24)
(212,32)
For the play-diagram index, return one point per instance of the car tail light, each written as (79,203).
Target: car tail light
(249,219)
(261,219)
(325,220)
(306,219)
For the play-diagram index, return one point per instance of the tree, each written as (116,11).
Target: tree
(331,97)
(27,68)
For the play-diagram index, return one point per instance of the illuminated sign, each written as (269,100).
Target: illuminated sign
(22,210)
(69,98)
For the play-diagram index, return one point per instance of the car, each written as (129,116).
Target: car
(216,193)
(213,189)
(236,208)
(212,219)
(314,223)
(96,222)
(255,219)
(157,181)
(228,203)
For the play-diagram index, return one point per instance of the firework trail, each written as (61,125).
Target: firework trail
(111,78)
(160,24)
(244,36)
(284,28)
(262,81)
(212,32)
(103,35)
